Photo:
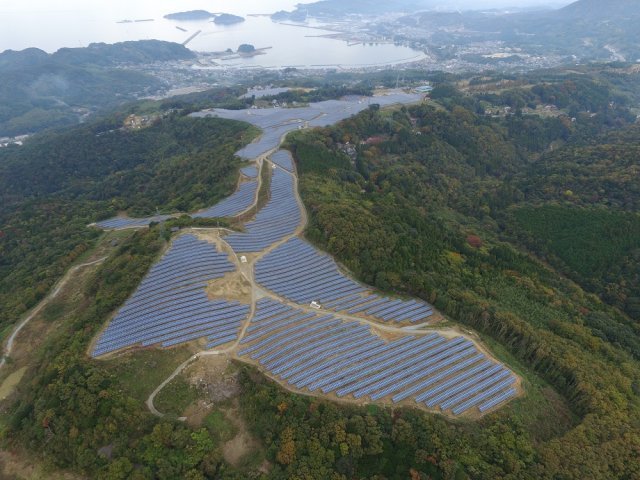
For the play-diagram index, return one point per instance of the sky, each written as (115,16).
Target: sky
(254,5)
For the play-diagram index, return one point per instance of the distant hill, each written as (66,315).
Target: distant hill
(598,10)
(190,15)
(227,19)
(585,30)
(589,29)
(330,8)
(38,90)
(144,51)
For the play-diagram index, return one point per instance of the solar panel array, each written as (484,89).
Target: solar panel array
(251,171)
(283,159)
(270,139)
(326,355)
(126,222)
(276,122)
(383,308)
(310,350)
(277,219)
(240,201)
(301,274)
(170,305)
(298,272)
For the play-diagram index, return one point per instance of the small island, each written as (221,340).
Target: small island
(295,16)
(190,15)
(246,48)
(227,19)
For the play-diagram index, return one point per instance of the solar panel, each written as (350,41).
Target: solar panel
(170,305)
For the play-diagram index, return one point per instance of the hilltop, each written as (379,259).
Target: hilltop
(599,11)
(581,31)
(41,90)
(227,19)
(190,15)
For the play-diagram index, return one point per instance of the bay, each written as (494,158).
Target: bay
(74,23)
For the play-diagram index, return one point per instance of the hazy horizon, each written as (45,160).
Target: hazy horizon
(257,6)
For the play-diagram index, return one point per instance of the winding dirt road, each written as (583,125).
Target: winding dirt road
(54,293)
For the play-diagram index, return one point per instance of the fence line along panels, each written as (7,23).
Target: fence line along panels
(170,305)
(317,352)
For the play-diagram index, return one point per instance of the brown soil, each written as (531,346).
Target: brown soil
(211,236)
(233,286)
(11,382)
(215,377)
(196,413)
(386,335)
(243,443)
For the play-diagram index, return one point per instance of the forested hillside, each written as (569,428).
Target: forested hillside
(55,185)
(489,217)
(435,207)
(39,91)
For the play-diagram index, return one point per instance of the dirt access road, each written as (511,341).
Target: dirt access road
(45,301)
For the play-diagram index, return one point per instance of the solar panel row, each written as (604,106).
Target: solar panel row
(298,272)
(283,159)
(126,222)
(251,171)
(277,219)
(170,305)
(276,122)
(270,139)
(301,274)
(323,353)
(238,202)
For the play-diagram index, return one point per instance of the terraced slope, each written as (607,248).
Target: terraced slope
(324,354)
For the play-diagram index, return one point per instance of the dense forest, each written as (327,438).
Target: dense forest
(436,203)
(57,184)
